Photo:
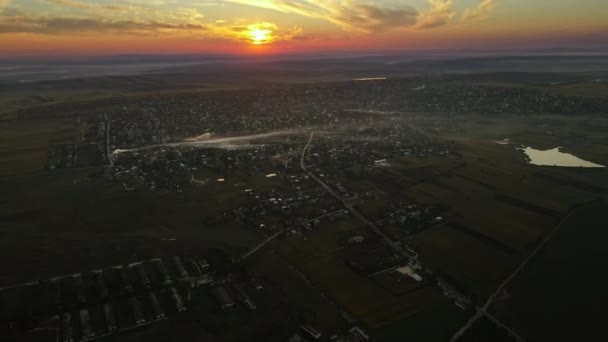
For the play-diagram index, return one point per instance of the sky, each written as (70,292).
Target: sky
(96,27)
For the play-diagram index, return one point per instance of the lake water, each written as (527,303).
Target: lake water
(555,157)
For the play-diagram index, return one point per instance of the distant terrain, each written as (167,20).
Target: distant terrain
(36,81)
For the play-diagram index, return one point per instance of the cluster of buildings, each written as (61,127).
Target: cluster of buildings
(84,144)
(307,333)
(152,121)
(404,219)
(158,144)
(106,301)
(176,168)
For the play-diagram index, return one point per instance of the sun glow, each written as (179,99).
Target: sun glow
(259,34)
(259,37)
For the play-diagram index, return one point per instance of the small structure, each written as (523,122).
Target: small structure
(56,294)
(110,319)
(311,332)
(222,297)
(143,276)
(381,163)
(297,338)
(179,303)
(202,280)
(80,288)
(163,271)
(126,280)
(101,286)
(256,284)
(356,239)
(85,324)
(159,313)
(360,334)
(244,297)
(408,271)
(67,327)
(138,313)
(204,265)
(180,266)
(463,306)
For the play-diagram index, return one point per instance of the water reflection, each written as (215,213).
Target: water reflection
(555,157)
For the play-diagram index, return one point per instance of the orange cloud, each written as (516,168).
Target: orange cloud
(43,25)
(351,15)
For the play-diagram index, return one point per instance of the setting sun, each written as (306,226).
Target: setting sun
(259,34)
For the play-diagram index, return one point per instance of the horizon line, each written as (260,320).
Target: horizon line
(334,53)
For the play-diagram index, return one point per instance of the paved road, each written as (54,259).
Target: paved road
(483,310)
(397,247)
(262,244)
(213,141)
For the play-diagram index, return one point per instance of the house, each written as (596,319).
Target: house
(158,310)
(356,331)
(179,303)
(222,297)
(67,327)
(244,297)
(110,319)
(163,271)
(180,267)
(85,324)
(311,332)
(138,313)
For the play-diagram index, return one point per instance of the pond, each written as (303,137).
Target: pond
(555,157)
(370,79)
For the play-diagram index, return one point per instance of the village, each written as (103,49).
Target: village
(302,167)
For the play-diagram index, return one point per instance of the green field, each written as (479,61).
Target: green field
(360,296)
(72,220)
(563,283)
(435,325)
(499,207)
(496,210)
(24,144)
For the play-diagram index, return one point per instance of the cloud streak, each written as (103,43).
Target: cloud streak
(181,18)
(351,15)
(481,11)
(82,5)
(23,23)
(440,14)
(370,16)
